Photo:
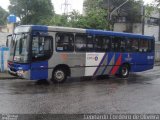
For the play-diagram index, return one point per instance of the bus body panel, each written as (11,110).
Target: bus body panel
(39,70)
(81,65)
(87,63)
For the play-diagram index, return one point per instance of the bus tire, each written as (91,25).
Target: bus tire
(124,71)
(59,75)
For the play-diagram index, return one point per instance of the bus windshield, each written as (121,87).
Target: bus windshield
(21,48)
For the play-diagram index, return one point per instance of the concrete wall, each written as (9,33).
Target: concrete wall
(137,28)
(120,27)
(6,30)
(3,37)
(152,30)
(157,52)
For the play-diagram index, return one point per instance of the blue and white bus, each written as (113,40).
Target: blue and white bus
(50,52)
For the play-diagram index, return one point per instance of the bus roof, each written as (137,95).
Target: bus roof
(89,31)
(118,34)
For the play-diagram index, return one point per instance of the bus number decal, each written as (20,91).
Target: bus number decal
(92,61)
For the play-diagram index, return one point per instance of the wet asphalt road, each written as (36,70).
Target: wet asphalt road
(140,93)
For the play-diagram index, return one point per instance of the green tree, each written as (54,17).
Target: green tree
(32,11)
(95,15)
(3,16)
(74,18)
(89,5)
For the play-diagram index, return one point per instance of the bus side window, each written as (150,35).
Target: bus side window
(129,45)
(143,45)
(98,44)
(132,44)
(102,43)
(64,42)
(116,41)
(150,46)
(90,44)
(135,45)
(81,42)
(122,45)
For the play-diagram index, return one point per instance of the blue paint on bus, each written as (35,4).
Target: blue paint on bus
(39,70)
(39,28)
(118,34)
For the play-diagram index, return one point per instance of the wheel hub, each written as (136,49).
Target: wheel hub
(124,71)
(59,75)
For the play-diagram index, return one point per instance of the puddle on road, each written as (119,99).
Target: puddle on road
(17,86)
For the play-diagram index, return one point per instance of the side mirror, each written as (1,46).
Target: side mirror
(9,40)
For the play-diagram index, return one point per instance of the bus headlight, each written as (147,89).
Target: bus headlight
(21,73)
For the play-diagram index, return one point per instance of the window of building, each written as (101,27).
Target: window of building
(153,21)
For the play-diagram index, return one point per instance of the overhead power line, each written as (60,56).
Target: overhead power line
(65,7)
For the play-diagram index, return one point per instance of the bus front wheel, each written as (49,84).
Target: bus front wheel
(124,71)
(59,75)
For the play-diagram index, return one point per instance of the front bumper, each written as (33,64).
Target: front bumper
(12,72)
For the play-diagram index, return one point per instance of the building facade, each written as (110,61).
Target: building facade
(150,26)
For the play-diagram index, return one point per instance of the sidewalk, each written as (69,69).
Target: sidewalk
(6,75)
(157,64)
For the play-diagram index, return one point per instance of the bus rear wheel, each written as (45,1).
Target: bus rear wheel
(124,71)
(59,75)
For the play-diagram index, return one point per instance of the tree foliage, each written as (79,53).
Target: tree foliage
(3,16)
(98,12)
(90,5)
(32,11)
(157,2)
(95,15)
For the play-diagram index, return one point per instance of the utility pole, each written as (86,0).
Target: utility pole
(143,19)
(66,5)
(108,17)
(159,28)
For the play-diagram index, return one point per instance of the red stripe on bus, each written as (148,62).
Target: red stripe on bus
(117,65)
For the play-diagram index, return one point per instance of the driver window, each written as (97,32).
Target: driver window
(42,47)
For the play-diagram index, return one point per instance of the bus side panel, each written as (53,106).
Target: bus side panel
(144,61)
(75,61)
(110,62)
(151,58)
(95,63)
(39,70)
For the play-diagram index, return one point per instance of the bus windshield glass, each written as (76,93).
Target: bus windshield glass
(21,48)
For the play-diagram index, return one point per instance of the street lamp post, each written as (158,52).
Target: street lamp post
(110,14)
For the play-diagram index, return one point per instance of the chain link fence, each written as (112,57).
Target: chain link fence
(3,37)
